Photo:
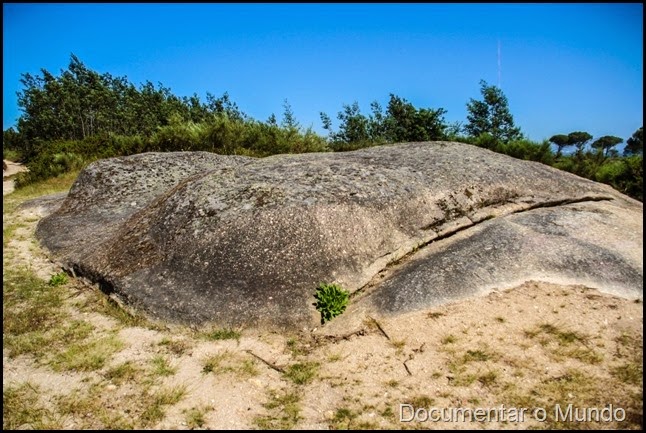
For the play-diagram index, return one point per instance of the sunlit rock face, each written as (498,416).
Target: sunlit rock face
(200,238)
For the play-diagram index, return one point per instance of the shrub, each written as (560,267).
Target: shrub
(332,300)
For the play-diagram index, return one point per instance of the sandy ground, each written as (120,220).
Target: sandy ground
(13,168)
(537,346)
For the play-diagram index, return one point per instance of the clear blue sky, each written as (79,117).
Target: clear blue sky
(564,67)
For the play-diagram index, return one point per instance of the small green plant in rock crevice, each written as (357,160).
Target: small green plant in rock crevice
(331,301)
(58,279)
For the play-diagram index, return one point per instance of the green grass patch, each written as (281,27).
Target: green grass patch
(488,379)
(422,400)
(581,389)
(88,410)
(156,406)
(563,343)
(8,233)
(87,356)
(21,409)
(195,416)
(41,344)
(344,419)
(34,321)
(295,348)
(222,334)
(177,347)
(228,362)
(162,367)
(123,373)
(29,303)
(91,409)
(563,337)
(477,356)
(284,411)
(631,373)
(302,373)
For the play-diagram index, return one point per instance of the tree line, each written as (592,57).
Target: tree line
(80,115)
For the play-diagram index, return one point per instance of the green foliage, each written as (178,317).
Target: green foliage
(87,355)
(579,139)
(603,163)
(21,409)
(162,367)
(354,127)
(635,144)
(80,116)
(284,410)
(31,308)
(12,145)
(332,300)
(624,174)
(301,373)
(561,141)
(606,144)
(179,135)
(401,123)
(491,116)
(223,334)
(58,279)
(195,417)
(528,150)
(405,123)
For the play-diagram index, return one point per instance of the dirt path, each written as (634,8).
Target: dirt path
(74,360)
(13,168)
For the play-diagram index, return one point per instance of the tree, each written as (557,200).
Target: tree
(327,122)
(491,116)
(606,143)
(353,126)
(376,123)
(405,123)
(453,130)
(561,141)
(289,120)
(635,144)
(579,140)
(401,123)
(223,105)
(289,123)
(400,120)
(197,111)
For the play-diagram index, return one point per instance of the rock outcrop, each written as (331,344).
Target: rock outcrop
(203,238)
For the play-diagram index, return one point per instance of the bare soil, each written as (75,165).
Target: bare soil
(13,168)
(536,346)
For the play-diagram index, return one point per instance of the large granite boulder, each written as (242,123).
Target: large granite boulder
(203,238)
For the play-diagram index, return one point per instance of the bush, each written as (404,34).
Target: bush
(332,300)
(528,150)
(48,165)
(179,136)
(625,175)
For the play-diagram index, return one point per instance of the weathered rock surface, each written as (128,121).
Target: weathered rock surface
(591,243)
(199,238)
